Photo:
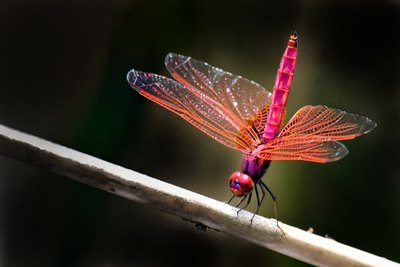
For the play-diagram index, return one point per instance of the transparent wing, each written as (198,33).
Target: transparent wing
(198,108)
(327,123)
(303,148)
(244,98)
(312,135)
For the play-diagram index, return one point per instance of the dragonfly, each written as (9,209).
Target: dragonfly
(246,117)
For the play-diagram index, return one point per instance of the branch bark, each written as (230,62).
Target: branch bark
(188,205)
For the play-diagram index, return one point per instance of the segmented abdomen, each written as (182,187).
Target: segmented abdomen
(281,91)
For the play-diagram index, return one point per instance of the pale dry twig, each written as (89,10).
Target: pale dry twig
(188,205)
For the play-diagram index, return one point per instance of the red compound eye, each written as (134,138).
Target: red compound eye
(240,184)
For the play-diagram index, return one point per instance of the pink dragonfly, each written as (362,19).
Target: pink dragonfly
(244,116)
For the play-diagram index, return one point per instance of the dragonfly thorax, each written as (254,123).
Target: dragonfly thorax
(253,168)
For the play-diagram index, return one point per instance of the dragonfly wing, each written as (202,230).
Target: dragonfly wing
(324,122)
(312,135)
(196,107)
(303,148)
(243,97)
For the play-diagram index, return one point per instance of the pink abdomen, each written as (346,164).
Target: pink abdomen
(281,91)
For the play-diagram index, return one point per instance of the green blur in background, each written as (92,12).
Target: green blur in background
(63,78)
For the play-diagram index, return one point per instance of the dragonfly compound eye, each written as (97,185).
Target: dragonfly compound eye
(240,184)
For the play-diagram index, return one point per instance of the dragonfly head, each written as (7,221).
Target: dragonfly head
(241,184)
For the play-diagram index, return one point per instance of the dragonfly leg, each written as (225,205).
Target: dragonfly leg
(247,202)
(264,185)
(241,201)
(259,201)
(230,199)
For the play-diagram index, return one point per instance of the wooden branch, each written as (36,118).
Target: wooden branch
(188,205)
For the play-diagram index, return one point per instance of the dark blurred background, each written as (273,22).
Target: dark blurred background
(63,69)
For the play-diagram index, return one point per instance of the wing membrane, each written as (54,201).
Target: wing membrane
(312,135)
(196,107)
(327,123)
(242,97)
